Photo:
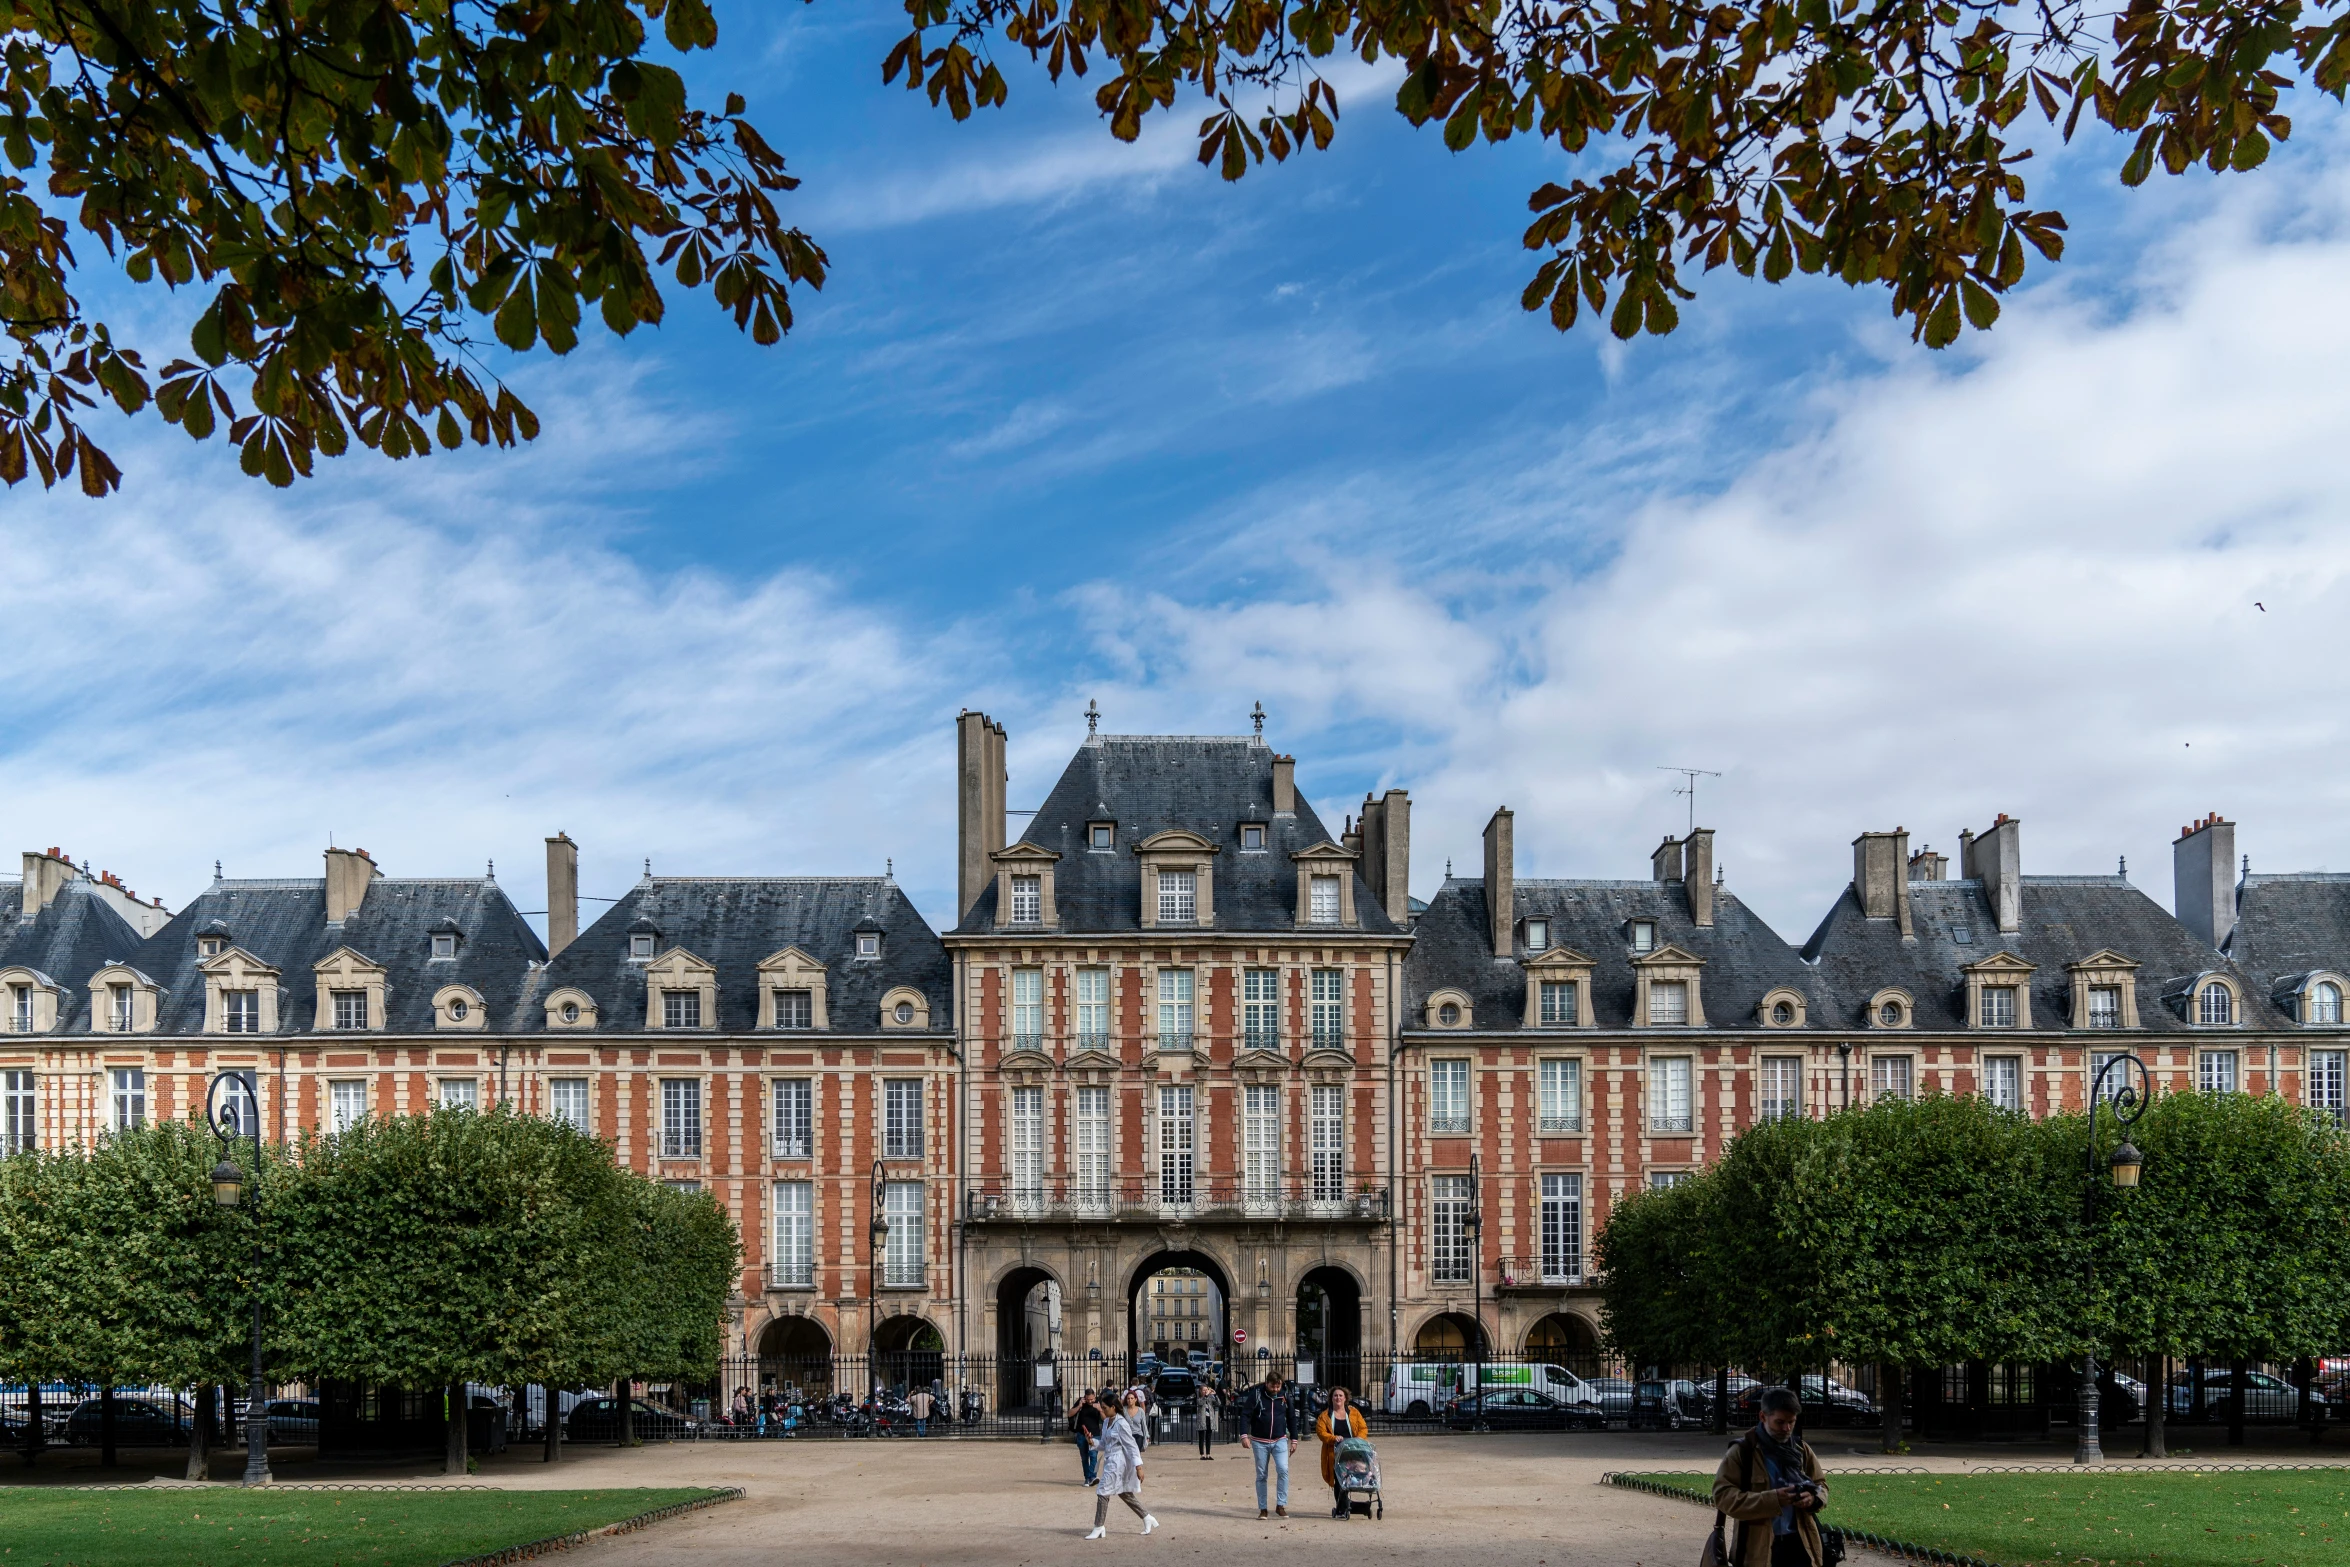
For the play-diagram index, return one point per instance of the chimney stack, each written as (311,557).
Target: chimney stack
(1284,785)
(348,872)
(45,876)
(562,893)
(1996,860)
(1501,881)
(1926,865)
(1697,874)
(1880,876)
(981,783)
(1664,861)
(1387,852)
(2203,872)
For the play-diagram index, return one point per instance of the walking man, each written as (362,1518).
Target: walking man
(1087,1423)
(1270,1440)
(1204,1417)
(1769,1487)
(920,1404)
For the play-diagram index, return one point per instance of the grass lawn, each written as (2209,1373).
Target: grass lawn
(225,1528)
(2147,1519)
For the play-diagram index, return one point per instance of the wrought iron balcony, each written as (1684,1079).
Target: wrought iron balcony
(1534,1275)
(1147,1200)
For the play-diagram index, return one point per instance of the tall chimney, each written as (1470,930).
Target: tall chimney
(1284,785)
(1664,861)
(1501,881)
(1880,876)
(1697,868)
(1996,860)
(45,876)
(980,800)
(1926,865)
(2203,877)
(348,871)
(562,893)
(1387,852)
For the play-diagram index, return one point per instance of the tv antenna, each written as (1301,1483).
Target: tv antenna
(1689,787)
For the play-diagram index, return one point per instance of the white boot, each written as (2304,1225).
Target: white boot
(1148,1523)
(1098,1532)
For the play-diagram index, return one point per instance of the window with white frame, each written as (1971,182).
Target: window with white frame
(795,1009)
(869,944)
(1093,1009)
(2325,1003)
(1668,1094)
(1101,837)
(2003,1081)
(1327,1132)
(1027,900)
(1175,1143)
(2216,1006)
(1666,1180)
(681,1009)
(1450,1198)
(1252,837)
(350,1008)
(1323,893)
(20,1009)
(346,1100)
(1560,1085)
(640,947)
(2114,1081)
(1093,1149)
(240,1107)
(1891,1077)
(130,1097)
(460,1093)
(1028,1009)
(567,1101)
(119,999)
(1538,935)
(1260,1008)
(1178,897)
(2105,1006)
(240,1011)
(19,1105)
(1260,1142)
(792,1117)
(681,1118)
(1027,1149)
(901,1204)
(1558,1003)
(1668,1001)
(1644,935)
(1996,1009)
(2326,1071)
(1174,1009)
(901,1118)
(1562,1229)
(795,1234)
(1329,1008)
(444,946)
(1448,1094)
(1782,1088)
(2216,1071)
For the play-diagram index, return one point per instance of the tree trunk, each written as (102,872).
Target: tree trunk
(106,1426)
(200,1436)
(32,1420)
(624,1428)
(553,1416)
(2235,1403)
(1889,1389)
(2157,1407)
(1722,1401)
(453,1457)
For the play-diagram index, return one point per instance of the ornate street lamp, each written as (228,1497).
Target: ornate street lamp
(2127,1101)
(1475,1225)
(232,1107)
(877,1248)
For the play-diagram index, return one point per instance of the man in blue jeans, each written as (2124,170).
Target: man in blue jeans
(1270,1440)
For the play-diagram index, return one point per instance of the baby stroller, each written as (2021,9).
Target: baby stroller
(1358,1477)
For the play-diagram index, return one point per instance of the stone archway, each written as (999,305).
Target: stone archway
(1214,1316)
(795,1353)
(1028,1304)
(1449,1335)
(908,1352)
(1565,1339)
(1330,1328)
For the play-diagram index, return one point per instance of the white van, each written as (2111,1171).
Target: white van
(1418,1389)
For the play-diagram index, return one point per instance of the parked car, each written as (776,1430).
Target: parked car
(1175,1390)
(598,1420)
(2265,1397)
(1520,1409)
(2122,1403)
(293,1422)
(1614,1395)
(1667,1405)
(1826,1402)
(138,1422)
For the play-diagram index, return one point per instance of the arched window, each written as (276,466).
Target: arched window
(2218,1004)
(2325,1002)
(1890,1014)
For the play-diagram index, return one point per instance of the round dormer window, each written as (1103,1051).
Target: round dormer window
(903,1012)
(1890,1014)
(457,1010)
(1782,1014)
(1449,1015)
(570,1011)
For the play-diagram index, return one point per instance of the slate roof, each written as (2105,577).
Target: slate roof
(1148,784)
(2288,926)
(734,923)
(2064,919)
(67,942)
(283,923)
(1744,958)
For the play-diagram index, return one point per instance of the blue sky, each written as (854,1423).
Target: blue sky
(1077,420)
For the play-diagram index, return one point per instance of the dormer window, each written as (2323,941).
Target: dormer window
(1889,1015)
(795,1009)
(1101,837)
(118,998)
(1538,935)
(240,1011)
(211,946)
(1324,903)
(1179,898)
(350,1008)
(570,1011)
(869,944)
(1252,836)
(2324,1004)
(681,1009)
(2105,1006)
(20,1009)
(444,946)
(1644,935)
(1027,900)
(460,1009)
(1997,1007)
(640,947)
(2216,1006)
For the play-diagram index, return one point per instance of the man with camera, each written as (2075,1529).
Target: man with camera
(1769,1486)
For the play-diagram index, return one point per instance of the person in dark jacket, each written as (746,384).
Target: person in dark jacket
(1769,1487)
(1085,1425)
(1271,1436)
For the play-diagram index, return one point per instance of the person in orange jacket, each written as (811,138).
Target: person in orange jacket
(1334,1425)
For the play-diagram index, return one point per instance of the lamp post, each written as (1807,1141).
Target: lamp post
(2128,1102)
(1475,1225)
(228,1101)
(876,1245)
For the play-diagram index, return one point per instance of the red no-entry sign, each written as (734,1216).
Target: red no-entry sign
(1240,1335)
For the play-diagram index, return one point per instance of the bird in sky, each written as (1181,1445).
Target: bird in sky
(2263,608)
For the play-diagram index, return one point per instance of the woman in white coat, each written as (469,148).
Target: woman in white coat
(1121,1469)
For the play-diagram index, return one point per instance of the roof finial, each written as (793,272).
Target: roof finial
(216,870)
(2124,871)
(1093,716)
(889,868)
(2247,864)
(1448,867)
(1259,715)
(493,871)
(648,867)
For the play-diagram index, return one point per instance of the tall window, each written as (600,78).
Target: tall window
(1093,1149)
(681,1009)
(1027,1149)
(1093,1009)
(1561,1085)
(130,1097)
(119,996)
(2217,1006)
(1178,898)
(1027,900)
(795,1233)
(2105,1006)
(1175,1146)
(1562,1229)
(795,1009)
(20,1009)
(460,1093)
(1327,1133)
(240,1011)
(1782,1087)
(1538,935)
(1028,1009)
(1174,1009)
(346,1103)
(793,1112)
(1329,1003)
(19,1132)
(1448,1095)
(1644,935)
(2216,1072)
(2114,1081)
(2325,1082)
(350,1008)
(1558,1003)
(1997,1007)
(1323,892)
(1260,1142)
(681,1118)
(1448,1235)
(1260,1008)
(1668,1001)
(2325,1003)
(2003,1081)
(901,1118)
(1890,1077)
(1668,1094)
(901,1204)
(567,1101)
(1666,1180)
